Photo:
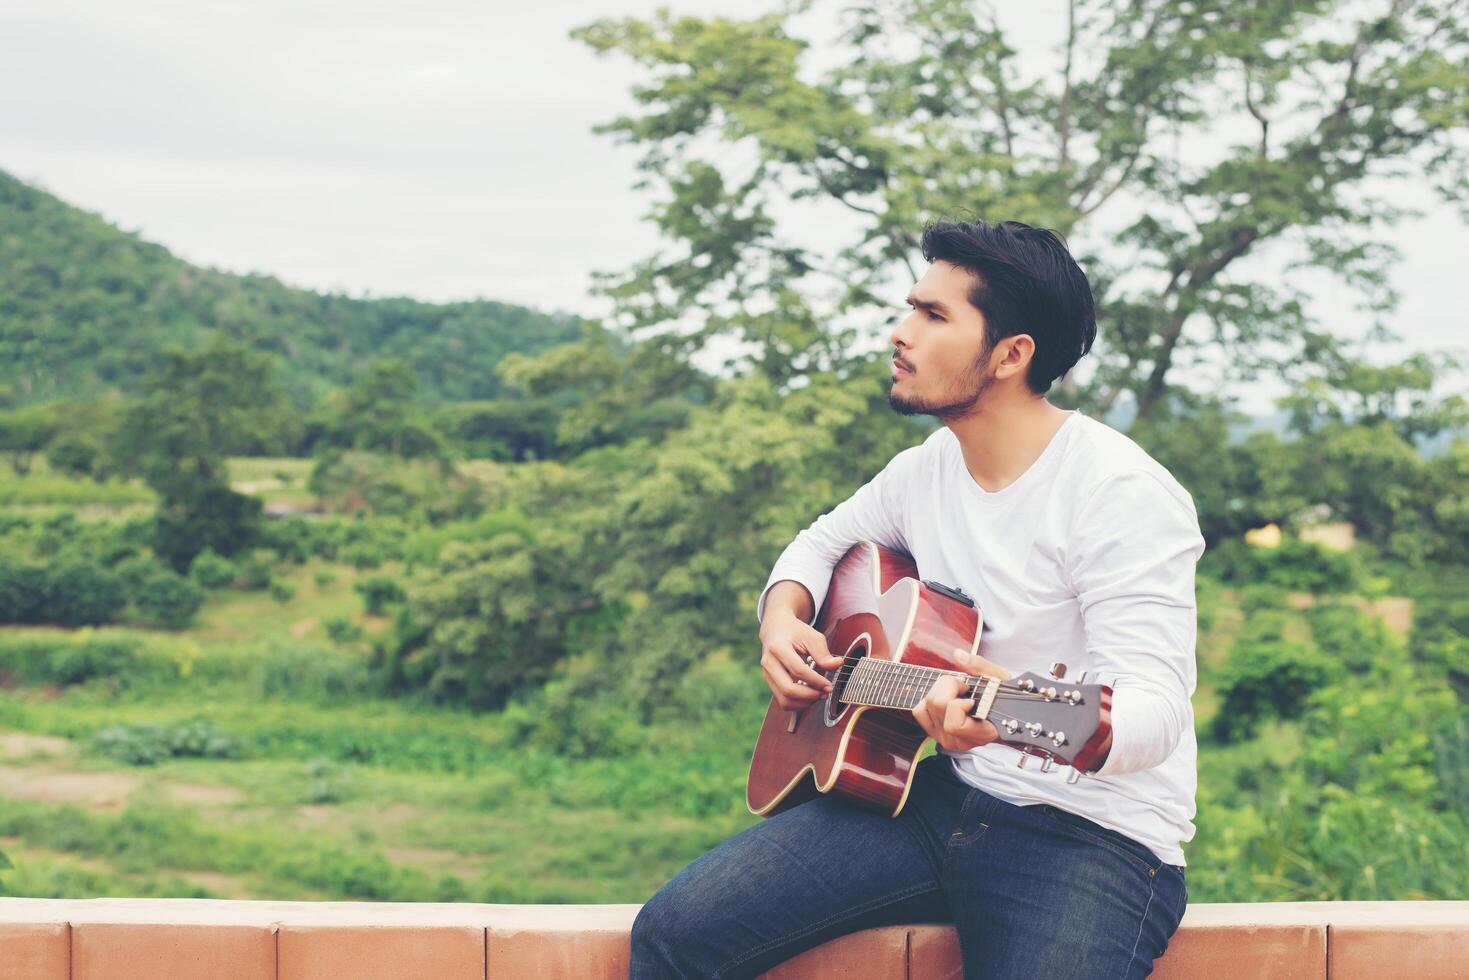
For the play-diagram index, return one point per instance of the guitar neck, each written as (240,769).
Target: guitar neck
(886,684)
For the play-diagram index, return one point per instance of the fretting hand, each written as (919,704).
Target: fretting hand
(944,716)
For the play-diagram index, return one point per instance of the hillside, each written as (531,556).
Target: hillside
(85,307)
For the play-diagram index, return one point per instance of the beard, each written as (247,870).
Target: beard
(960,401)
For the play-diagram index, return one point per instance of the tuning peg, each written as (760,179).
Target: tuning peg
(1046,764)
(1024,758)
(1082,678)
(1058,670)
(1074,775)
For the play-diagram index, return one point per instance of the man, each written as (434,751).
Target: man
(1078,547)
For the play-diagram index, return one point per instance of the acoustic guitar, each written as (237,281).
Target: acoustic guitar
(895,634)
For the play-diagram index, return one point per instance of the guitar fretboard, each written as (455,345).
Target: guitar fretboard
(885,684)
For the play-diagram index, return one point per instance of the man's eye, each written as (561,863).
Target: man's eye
(934,316)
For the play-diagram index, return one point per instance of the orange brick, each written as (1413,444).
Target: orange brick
(872,954)
(574,942)
(35,951)
(1261,951)
(1423,952)
(381,952)
(1236,944)
(171,951)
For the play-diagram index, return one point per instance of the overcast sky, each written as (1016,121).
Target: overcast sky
(440,149)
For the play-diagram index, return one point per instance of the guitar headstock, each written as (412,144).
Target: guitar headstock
(1049,718)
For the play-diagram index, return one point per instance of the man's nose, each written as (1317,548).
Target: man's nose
(899,336)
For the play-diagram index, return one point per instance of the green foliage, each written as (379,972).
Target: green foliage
(341,630)
(148,745)
(1266,676)
(23,433)
(380,413)
(1294,565)
(356,481)
(1440,638)
(281,590)
(64,659)
(212,570)
(310,673)
(923,113)
(168,599)
(198,406)
(73,592)
(327,781)
(379,592)
(85,283)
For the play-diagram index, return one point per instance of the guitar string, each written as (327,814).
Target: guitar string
(916,671)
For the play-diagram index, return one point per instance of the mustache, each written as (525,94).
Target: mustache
(900,361)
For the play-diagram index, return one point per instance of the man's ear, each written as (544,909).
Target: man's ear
(1015,354)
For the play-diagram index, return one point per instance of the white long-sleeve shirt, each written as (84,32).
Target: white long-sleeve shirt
(1088,558)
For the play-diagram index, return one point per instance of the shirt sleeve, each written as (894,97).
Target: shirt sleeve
(874,513)
(1132,565)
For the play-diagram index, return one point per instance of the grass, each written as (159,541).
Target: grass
(331,794)
(41,488)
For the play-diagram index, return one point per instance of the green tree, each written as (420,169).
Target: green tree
(380,412)
(200,406)
(927,112)
(23,433)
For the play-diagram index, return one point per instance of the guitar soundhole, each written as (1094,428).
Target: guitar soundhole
(835,709)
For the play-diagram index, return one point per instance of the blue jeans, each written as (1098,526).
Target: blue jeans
(1033,891)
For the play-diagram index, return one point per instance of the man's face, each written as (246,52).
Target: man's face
(942,346)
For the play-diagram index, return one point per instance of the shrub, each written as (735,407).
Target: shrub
(1294,565)
(342,630)
(1263,678)
(378,592)
(169,600)
(311,672)
(256,571)
(212,570)
(147,745)
(81,593)
(281,590)
(75,659)
(22,592)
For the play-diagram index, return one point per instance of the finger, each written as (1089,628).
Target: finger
(780,679)
(787,691)
(977,666)
(814,643)
(797,667)
(921,715)
(964,731)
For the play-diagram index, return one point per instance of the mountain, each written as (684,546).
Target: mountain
(86,307)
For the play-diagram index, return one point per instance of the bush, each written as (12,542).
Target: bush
(342,630)
(1294,565)
(169,600)
(282,590)
(257,570)
(147,745)
(212,570)
(22,592)
(324,576)
(1264,678)
(297,671)
(81,593)
(75,659)
(378,592)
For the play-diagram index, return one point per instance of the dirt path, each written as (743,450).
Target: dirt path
(104,790)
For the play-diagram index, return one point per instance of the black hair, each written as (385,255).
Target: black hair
(1026,281)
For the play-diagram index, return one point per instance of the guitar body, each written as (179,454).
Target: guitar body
(875,607)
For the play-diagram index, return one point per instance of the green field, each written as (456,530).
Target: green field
(243,757)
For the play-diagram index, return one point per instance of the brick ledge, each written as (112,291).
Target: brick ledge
(204,939)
